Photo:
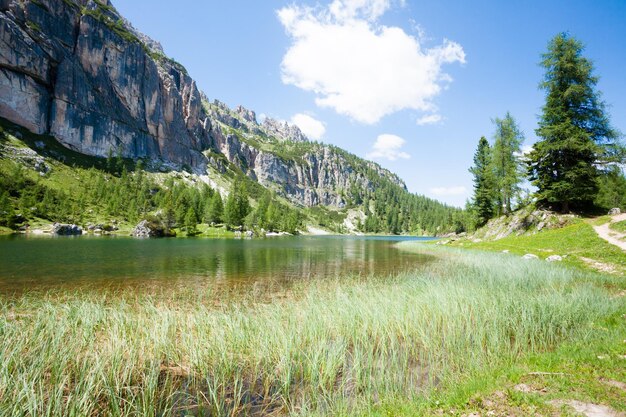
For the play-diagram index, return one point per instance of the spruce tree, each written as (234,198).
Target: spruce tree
(190,221)
(237,205)
(576,135)
(612,189)
(483,199)
(506,164)
(215,209)
(6,209)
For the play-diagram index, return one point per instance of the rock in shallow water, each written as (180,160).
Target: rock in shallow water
(147,228)
(66,229)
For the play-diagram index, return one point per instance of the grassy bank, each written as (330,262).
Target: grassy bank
(332,347)
(578,242)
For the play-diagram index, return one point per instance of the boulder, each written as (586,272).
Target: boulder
(615,211)
(66,229)
(530,256)
(147,229)
(554,258)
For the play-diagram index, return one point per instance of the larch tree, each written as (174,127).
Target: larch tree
(237,205)
(215,209)
(506,163)
(576,137)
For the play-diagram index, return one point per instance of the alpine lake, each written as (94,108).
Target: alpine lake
(42,263)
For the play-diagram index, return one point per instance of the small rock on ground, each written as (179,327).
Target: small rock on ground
(588,409)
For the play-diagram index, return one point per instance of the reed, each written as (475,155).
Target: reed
(329,347)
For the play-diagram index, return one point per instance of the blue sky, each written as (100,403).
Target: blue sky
(412,85)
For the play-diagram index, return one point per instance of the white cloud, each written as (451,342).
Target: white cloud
(524,151)
(360,68)
(448,191)
(311,127)
(388,147)
(429,119)
(352,9)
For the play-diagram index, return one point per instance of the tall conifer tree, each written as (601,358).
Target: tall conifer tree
(483,200)
(506,163)
(576,135)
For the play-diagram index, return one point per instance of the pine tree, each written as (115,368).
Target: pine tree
(272,217)
(576,135)
(292,222)
(215,209)
(190,221)
(237,205)
(612,189)
(6,209)
(483,200)
(260,213)
(507,168)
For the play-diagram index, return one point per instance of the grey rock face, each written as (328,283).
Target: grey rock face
(66,229)
(143,230)
(78,71)
(246,114)
(107,92)
(317,177)
(21,100)
(283,130)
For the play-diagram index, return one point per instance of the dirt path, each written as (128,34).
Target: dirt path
(611,236)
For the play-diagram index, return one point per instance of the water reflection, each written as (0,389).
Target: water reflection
(39,263)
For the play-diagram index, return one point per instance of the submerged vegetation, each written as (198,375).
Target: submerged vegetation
(330,347)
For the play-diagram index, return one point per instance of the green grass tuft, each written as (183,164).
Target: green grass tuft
(619,226)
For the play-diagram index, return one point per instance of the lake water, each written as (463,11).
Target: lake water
(33,263)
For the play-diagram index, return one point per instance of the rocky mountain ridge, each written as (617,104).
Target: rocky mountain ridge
(78,71)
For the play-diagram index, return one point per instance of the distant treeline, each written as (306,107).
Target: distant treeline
(116,193)
(174,203)
(81,189)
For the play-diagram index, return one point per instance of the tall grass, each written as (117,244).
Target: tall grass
(331,347)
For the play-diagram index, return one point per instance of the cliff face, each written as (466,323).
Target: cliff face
(71,70)
(78,71)
(279,156)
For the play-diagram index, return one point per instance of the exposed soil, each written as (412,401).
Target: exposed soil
(611,236)
(588,409)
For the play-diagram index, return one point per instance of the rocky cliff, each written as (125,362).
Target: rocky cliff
(73,69)
(279,156)
(77,70)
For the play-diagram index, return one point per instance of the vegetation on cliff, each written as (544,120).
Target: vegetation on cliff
(43,182)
